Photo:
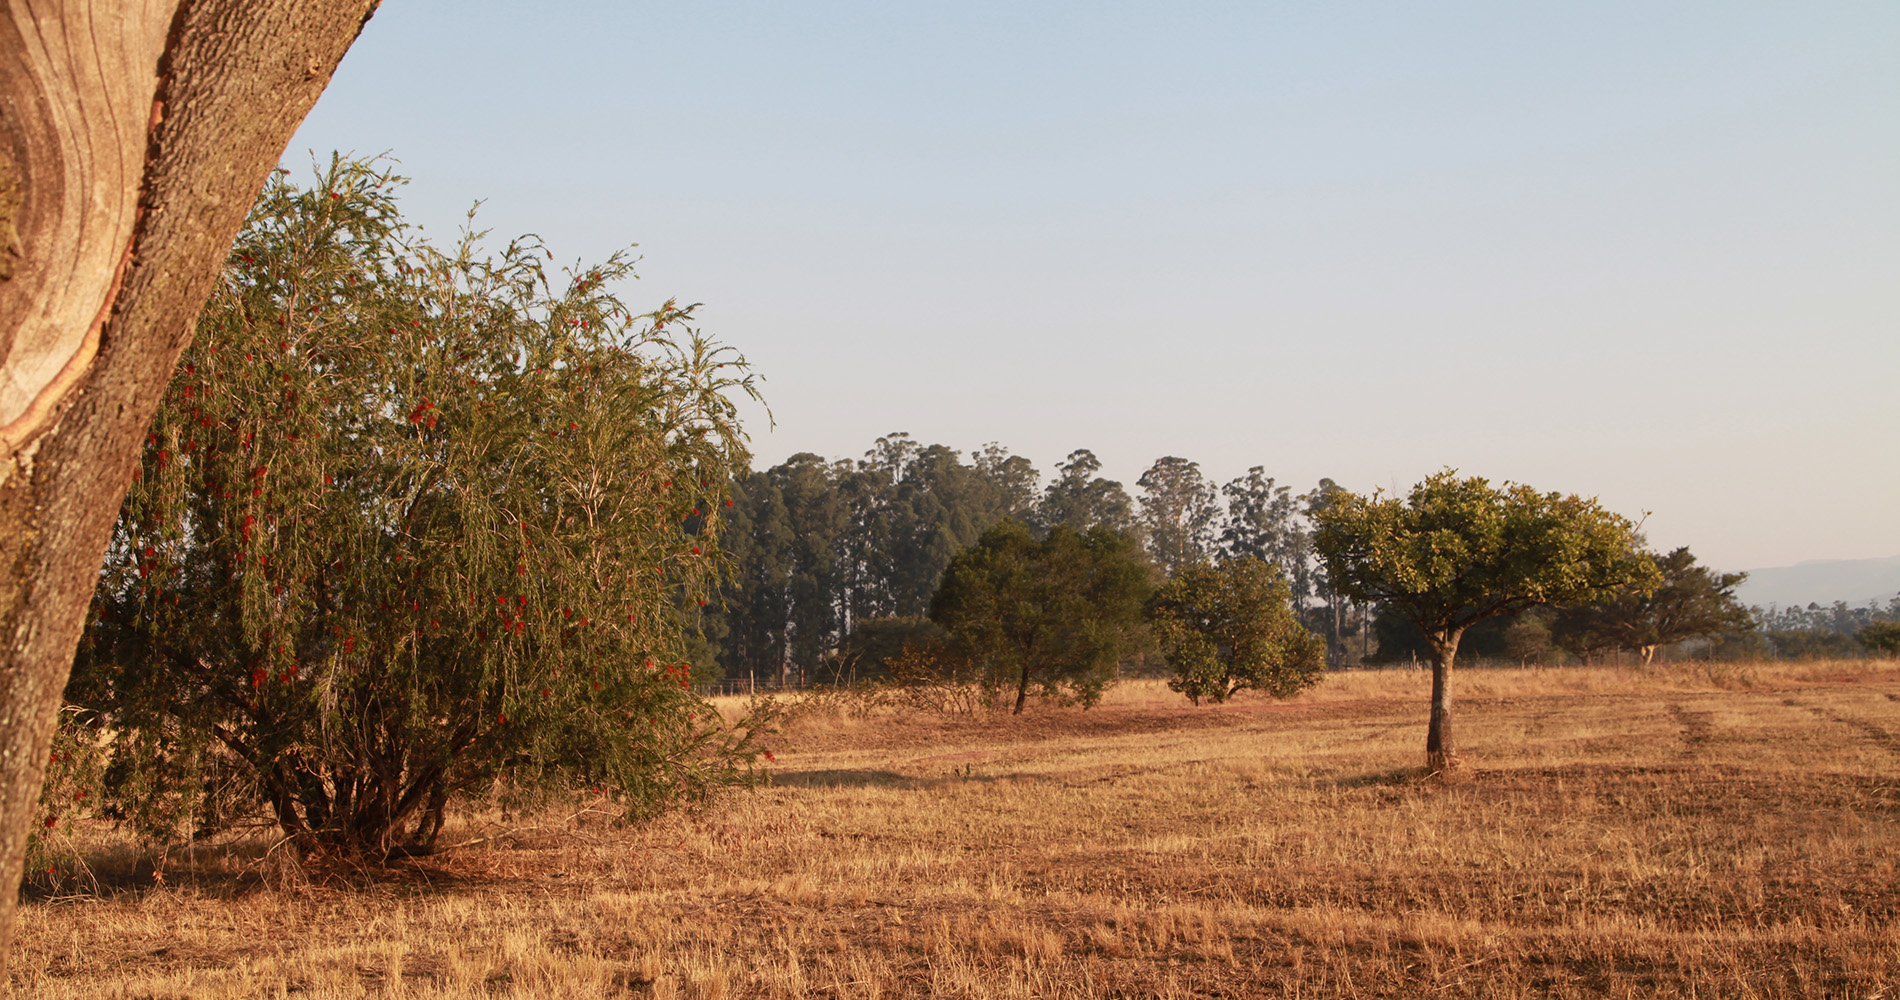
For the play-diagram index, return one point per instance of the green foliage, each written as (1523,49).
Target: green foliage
(1691,602)
(1456,552)
(1178,511)
(1459,551)
(1227,628)
(1527,640)
(1056,614)
(410,523)
(1262,523)
(1883,636)
(867,652)
(1078,499)
(822,546)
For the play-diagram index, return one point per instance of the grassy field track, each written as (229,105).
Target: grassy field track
(1691,831)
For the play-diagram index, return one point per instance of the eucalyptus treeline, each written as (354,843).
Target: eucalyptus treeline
(821,546)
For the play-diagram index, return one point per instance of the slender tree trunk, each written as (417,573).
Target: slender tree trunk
(134,137)
(1441,754)
(1022,690)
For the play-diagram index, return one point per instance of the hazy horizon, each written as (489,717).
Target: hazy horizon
(1642,254)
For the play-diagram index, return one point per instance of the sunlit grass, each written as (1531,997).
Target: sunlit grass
(1673,832)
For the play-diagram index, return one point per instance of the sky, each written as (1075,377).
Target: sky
(1643,252)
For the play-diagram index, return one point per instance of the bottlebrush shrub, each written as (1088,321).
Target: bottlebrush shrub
(413,524)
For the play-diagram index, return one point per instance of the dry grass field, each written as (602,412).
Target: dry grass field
(1683,832)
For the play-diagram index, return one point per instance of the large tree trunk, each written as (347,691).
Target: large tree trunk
(1441,754)
(134,136)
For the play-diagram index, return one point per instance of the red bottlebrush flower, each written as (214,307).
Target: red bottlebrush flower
(501,719)
(521,600)
(349,644)
(334,196)
(150,552)
(257,492)
(769,759)
(583,621)
(545,693)
(567,612)
(696,550)
(164,456)
(521,569)
(191,369)
(728,501)
(327,481)
(668,484)
(262,471)
(51,821)
(702,604)
(258,677)
(415,605)
(685,685)
(630,619)
(432,423)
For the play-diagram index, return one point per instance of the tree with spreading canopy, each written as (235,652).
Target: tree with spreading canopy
(1056,614)
(1458,551)
(1689,602)
(133,139)
(1227,627)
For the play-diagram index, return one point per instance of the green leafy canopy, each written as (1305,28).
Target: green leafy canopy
(410,522)
(1228,627)
(1457,551)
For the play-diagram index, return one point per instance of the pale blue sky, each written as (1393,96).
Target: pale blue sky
(1648,252)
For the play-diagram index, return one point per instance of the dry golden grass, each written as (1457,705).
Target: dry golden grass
(1679,832)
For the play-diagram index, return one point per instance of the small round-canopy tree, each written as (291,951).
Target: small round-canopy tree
(1057,614)
(1457,551)
(1227,627)
(408,523)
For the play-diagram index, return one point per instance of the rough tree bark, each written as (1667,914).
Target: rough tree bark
(1441,754)
(134,136)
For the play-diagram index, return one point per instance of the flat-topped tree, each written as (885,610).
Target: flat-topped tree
(1455,552)
(1690,602)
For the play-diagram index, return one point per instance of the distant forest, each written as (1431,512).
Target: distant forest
(819,547)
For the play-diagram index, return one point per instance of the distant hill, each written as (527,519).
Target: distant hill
(1823,581)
